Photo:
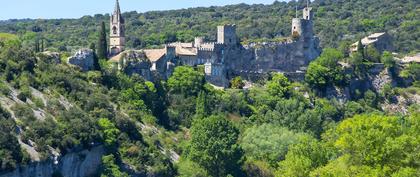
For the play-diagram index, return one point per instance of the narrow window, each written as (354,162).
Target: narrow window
(114,30)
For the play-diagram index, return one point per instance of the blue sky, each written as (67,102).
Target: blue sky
(18,9)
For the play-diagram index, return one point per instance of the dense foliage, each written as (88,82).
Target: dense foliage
(330,124)
(335,21)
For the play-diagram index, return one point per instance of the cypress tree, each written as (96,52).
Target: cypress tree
(360,48)
(200,107)
(42,44)
(102,51)
(96,64)
(37,45)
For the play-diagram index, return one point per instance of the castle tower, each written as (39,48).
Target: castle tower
(226,34)
(302,28)
(117,31)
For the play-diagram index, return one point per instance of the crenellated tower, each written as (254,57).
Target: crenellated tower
(117,31)
(226,34)
(302,28)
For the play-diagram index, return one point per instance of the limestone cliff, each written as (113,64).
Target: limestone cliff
(77,164)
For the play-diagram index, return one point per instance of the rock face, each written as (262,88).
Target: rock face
(84,59)
(81,164)
(136,62)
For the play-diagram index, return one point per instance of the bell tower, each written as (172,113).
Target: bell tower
(117,31)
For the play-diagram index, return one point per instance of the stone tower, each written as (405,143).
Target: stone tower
(226,34)
(303,27)
(117,31)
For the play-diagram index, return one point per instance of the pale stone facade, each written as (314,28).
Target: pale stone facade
(117,32)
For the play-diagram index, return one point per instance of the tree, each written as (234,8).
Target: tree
(102,43)
(213,146)
(110,168)
(374,145)
(360,48)
(279,85)
(303,157)
(109,132)
(325,70)
(37,48)
(388,60)
(372,54)
(356,60)
(185,80)
(96,64)
(268,142)
(201,105)
(237,83)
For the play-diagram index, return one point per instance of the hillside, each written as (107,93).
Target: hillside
(351,115)
(335,21)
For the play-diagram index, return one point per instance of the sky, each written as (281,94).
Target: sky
(47,9)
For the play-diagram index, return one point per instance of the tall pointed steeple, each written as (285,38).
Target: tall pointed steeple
(117,7)
(117,31)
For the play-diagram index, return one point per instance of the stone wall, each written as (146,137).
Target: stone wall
(279,57)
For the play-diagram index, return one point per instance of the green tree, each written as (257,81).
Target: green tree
(304,157)
(102,43)
(109,132)
(96,64)
(110,168)
(279,85)
(325,70)
(213,146)
(201,106)
(360,48)
(372,54)
(388,60)
(185,80)
(268,142)
(237,83)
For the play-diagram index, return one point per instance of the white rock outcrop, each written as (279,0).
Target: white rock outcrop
(84,59)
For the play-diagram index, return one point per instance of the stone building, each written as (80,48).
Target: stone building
(117,31)
(227,58)
(380,41)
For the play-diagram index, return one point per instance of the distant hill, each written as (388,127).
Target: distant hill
(335,21)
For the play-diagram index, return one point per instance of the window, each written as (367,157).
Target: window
(114,30)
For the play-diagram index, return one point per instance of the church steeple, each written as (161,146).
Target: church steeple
(117,31)
(117,7)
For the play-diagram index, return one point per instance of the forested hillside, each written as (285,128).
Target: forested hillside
(335,21)
(352,115)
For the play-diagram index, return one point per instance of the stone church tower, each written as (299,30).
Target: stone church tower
(117,31)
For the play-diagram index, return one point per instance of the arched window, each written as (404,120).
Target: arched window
(114,30)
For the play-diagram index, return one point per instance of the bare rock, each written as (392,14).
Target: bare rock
(84,59)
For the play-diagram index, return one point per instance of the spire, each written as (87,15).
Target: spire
(307,3)
(296,12)
(117,8)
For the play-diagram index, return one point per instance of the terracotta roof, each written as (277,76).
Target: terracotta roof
(154,54)
(151,54)
(186,51)
(116,58)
